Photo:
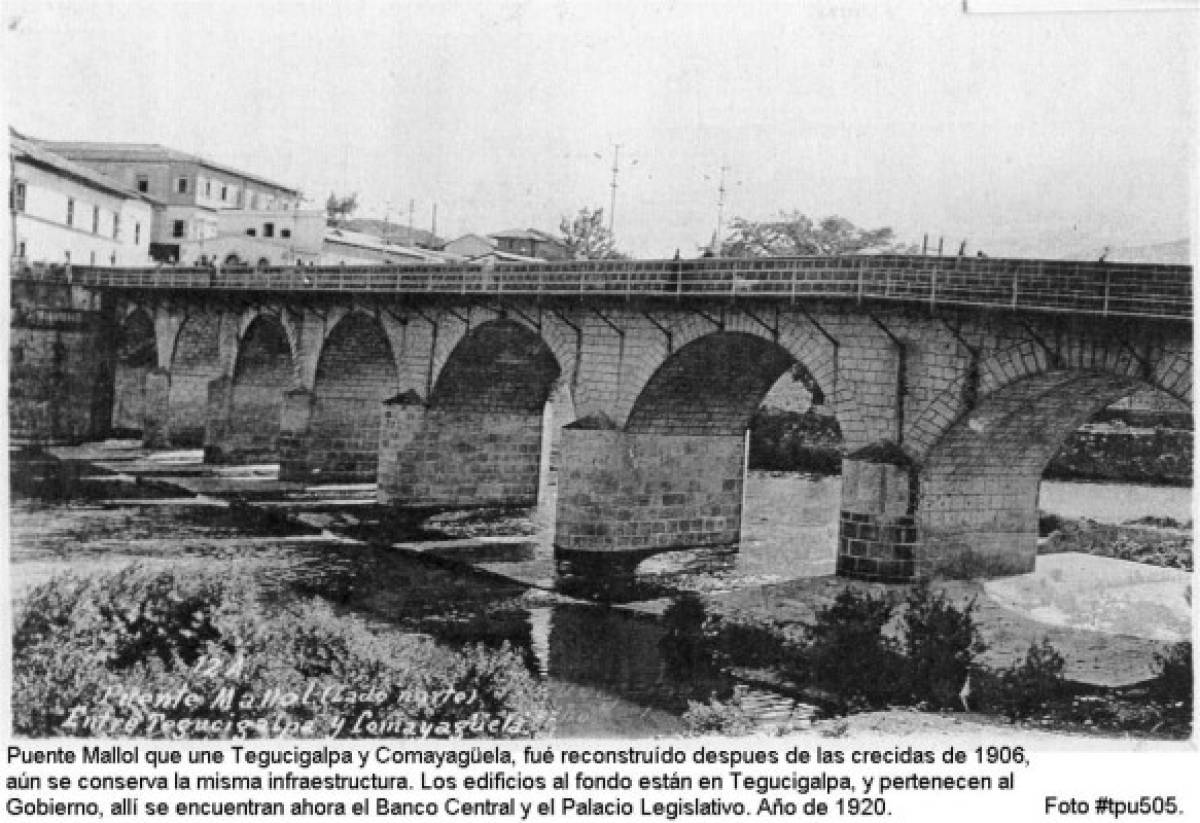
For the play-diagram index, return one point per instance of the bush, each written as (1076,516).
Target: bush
(847,655)
(940,645)
(83,648)
(1034,685)
(728,717)
(1173,683)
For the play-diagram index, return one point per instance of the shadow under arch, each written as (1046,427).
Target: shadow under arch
(976,502)
(195,363)
(137,356)
(263,371)
(477,441)
(336,435)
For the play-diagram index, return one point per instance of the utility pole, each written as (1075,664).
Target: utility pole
(720,209)
(433,224)
(612,202)
(412,204)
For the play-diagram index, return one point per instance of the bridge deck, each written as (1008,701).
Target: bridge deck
(1082,288)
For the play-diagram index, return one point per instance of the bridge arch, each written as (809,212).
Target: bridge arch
(499,365)
(137,356)
(264,369)
(976,507)
(477,438)
(673,475)
(195,362)
(711,385)
(1167,369)
(356,371)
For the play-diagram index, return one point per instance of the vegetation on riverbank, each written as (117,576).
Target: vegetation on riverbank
(1155,541)
(869,651)
(84,648)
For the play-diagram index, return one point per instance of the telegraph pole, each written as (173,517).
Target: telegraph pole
(612,202)
(720,209)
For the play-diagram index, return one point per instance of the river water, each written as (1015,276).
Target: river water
(601,645)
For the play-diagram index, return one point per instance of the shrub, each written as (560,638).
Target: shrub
(940,645)
(1026,688)
(1173,683)
(685,649)
(727,717)
(82,647)
(847,655)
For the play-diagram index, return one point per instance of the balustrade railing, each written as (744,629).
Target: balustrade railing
(1131,290)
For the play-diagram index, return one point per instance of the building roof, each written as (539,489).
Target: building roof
(148,153)
(528,234)
(22,148)
(370,242)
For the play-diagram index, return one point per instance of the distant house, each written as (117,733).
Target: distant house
(64,212)
(475,248)
(206,211)
(531,243)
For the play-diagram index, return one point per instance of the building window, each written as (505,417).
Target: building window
(70,211)
(285,232)
(92,259)
(181,185)
(95,219)
(137,234)
(143,183)
(177,228)
(251,232)
(268,229)
(16,200)
(116,226)
(224,193)
(21,249)
(208,188)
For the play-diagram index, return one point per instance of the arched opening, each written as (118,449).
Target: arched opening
(500,366)
(232,259)
(194,364)
(978,488)
(263,372)
(478,441)
(355,373)
(137,354)
(675,476)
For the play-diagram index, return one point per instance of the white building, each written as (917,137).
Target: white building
(207,211)
(63,212)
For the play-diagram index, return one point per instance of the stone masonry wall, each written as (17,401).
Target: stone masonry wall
(455,457)
(195,364)
(620,491)
(338,439)
(60,368)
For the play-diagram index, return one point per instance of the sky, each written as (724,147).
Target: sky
(1039,134)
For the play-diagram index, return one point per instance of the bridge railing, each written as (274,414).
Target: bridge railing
(1019,284)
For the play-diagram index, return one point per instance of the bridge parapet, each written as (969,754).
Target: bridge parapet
(1027,285)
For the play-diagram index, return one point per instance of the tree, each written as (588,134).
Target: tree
(587,238)
(797,234)
(339,208)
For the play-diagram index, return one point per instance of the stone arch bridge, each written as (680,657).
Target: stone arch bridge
(954,381)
